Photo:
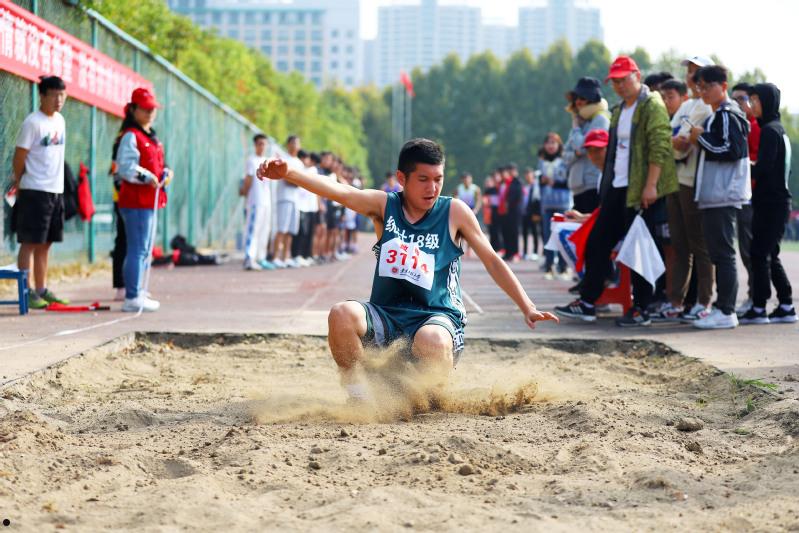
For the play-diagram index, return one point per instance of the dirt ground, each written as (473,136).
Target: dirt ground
(254,434)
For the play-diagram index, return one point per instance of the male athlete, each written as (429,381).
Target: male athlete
(416,290)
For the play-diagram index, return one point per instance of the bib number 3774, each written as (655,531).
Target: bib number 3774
(403,260)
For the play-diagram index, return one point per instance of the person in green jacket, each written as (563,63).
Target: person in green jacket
(639,169)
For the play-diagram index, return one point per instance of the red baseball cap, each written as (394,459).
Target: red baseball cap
(598,138)
(621,67)
(143,98)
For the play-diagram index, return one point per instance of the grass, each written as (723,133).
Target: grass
(739,385)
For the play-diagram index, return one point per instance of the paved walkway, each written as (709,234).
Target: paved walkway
(227,299)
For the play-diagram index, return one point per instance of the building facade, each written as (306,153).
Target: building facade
(540,27)
(320,39)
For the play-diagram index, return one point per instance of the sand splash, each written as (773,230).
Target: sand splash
(399,391)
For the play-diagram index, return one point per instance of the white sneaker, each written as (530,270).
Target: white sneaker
(717,320)
(342,256)
(695,313)
(250,264)
(291,263)
(279,263)
(132,305)
(743,308)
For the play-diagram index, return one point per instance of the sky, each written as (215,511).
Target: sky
(744,33)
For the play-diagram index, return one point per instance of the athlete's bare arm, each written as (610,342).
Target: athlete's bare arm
(369,203)
(463,223)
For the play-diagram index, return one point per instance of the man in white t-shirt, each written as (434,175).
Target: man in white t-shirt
(308,206)
(38,216)
(258,213)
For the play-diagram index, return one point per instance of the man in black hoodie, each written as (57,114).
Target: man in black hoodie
(771,205)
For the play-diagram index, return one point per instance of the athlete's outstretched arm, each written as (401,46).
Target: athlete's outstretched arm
(466,224)
(370,203)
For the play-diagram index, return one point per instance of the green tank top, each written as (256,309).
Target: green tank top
(418,265)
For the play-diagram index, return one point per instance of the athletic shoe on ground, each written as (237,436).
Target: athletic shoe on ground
(717,320)
(292,263)
(781,316)
(119,295)
(578,311)
(565,276)
(266,265)
(250,264)
(279,263)
(132,305)
(633,318)
(35,301)
(695,313)
(49,297)
(667,313)
(531,257)
(752,317)
(549,276)
(341,256)
(743,308)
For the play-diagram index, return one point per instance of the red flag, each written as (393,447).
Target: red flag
(580,239)
(85,202)
(406,81)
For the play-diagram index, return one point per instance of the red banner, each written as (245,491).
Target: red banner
(31,47)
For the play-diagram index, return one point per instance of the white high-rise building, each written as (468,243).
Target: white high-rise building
(501,40)
(540,27)
(410,36)
(318,38)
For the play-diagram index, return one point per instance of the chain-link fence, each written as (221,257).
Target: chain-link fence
(206,144)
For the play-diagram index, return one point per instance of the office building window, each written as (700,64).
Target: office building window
(266,35)
(233,33)
(283,36)
(316,35)
(266,49)
(216,17)
(334,33)
(316,80)
(334,49)
(350,34)
(349,65)
(316,51)
(300,18)
(334,65)
(349,49)
(249,36)
(283,66)
(233,17)
(199,4)
(299,35)
(283,50)
(299,65)
(316,66)
(266,18)
(316,18)
(299,50)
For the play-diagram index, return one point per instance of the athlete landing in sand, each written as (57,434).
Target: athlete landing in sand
(416,290)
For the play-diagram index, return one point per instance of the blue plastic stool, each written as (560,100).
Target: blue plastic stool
(22,287)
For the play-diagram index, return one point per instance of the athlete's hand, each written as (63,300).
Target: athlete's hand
(534,315)
(274,169)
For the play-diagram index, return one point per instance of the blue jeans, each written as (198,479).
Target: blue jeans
(138,229)
(549,255)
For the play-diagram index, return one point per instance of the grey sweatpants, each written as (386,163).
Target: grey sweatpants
(719,226)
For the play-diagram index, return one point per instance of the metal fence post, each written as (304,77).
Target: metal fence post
(34,88)
(167,106)
(93,154)
(192,197)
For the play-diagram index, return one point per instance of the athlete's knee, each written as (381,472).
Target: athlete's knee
(433,342)
(347,316)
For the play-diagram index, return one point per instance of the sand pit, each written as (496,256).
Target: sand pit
(253,434)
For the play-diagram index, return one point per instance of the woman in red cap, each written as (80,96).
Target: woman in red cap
(141,173)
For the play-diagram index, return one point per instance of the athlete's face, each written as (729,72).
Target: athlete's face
(422,187)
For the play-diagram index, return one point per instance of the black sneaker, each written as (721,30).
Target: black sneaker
(633,318)
(781,316)
(753,317)
(578,311)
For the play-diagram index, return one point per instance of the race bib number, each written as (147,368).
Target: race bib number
(404,260)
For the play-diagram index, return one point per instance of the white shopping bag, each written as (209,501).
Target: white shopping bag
(640,253)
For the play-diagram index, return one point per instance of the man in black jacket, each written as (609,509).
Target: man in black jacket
(771,205)
(512,213)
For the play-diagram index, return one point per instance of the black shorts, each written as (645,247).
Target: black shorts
(38,217)
(333,216)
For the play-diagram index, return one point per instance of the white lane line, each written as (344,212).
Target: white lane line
(471,301)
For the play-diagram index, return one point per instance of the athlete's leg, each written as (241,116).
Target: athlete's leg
(432,346)
(346,326)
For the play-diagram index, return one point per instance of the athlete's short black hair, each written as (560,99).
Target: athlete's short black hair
(51,82)
(291,138)
(258,136)
(419,151)
(302,154)
(675,85)
(711,74)
(315,158)
(743,86)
